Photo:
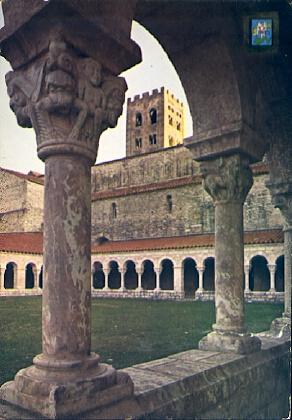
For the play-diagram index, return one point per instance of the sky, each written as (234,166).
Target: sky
(18,145)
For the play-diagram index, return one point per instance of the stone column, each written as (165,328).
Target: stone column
(106,273)
(178,280)
(280,186)
(201,274)
(69,98)
(122,288)
(2,272)
(228,180)
(272,268)
(246,278)
(139,273)
(157,271)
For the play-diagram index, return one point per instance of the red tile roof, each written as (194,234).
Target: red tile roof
(190,241)
(26,242)
(33,242)
(31,176)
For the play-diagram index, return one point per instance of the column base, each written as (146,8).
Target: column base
(234,342)
(281,327)
(56,393)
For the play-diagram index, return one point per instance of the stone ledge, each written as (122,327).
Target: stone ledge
(202,384)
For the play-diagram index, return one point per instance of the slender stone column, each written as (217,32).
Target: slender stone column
(280,186)
(157,271)
(122,288)
(228,180)
(288,269)
(106,273)
(70,99)
(246,278)
(139,274)
(2,272)
(272,268)
(201,274)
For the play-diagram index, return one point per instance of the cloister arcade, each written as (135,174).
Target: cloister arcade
(171,276)
(189,277)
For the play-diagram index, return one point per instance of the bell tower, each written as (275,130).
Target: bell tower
(154,121)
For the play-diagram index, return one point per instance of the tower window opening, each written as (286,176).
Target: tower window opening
(114,211)
(170,120)
(171,141)
(138,119)
(169,202)
(153,115)
(152,139)
(178,126)
(138,143)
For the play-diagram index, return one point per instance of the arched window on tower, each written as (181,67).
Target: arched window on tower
(138,119)
(152,139)
(114,211)
(153,115)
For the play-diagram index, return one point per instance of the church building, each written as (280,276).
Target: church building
(152,221)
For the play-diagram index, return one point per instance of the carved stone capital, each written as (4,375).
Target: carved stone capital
(68,99)
(281,193)
(227,179)
(279,159)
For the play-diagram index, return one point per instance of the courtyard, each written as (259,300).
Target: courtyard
(124,331)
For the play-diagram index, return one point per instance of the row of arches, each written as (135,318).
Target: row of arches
(261,276)
(32,278)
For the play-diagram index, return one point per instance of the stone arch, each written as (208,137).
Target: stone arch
(153,115)
(41,277)
(130,276)
(190,276)
(30,276)
(10,275)
(221,80)
(259,277)
(148,277)
(114,275)
(98,277)
(166,277)
(209,274)
(279,274)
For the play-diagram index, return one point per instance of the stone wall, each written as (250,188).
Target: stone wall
(21,204)
(160,194)
(12,202)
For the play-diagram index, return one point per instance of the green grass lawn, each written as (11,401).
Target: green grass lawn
(124,331)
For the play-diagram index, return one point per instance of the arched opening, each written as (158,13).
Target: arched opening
(98,277)
(148,278)
(41,278)
(209,274)
(138,119)
(9,275)
(279,274)
(166,275)
(30,272)
(191,277)
(131,276)
(259,278)
(114,276)
(153,115)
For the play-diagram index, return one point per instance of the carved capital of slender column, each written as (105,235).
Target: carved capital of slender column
(227,178)
(69,100)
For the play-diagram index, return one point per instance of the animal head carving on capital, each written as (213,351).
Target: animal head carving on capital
(66,98)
